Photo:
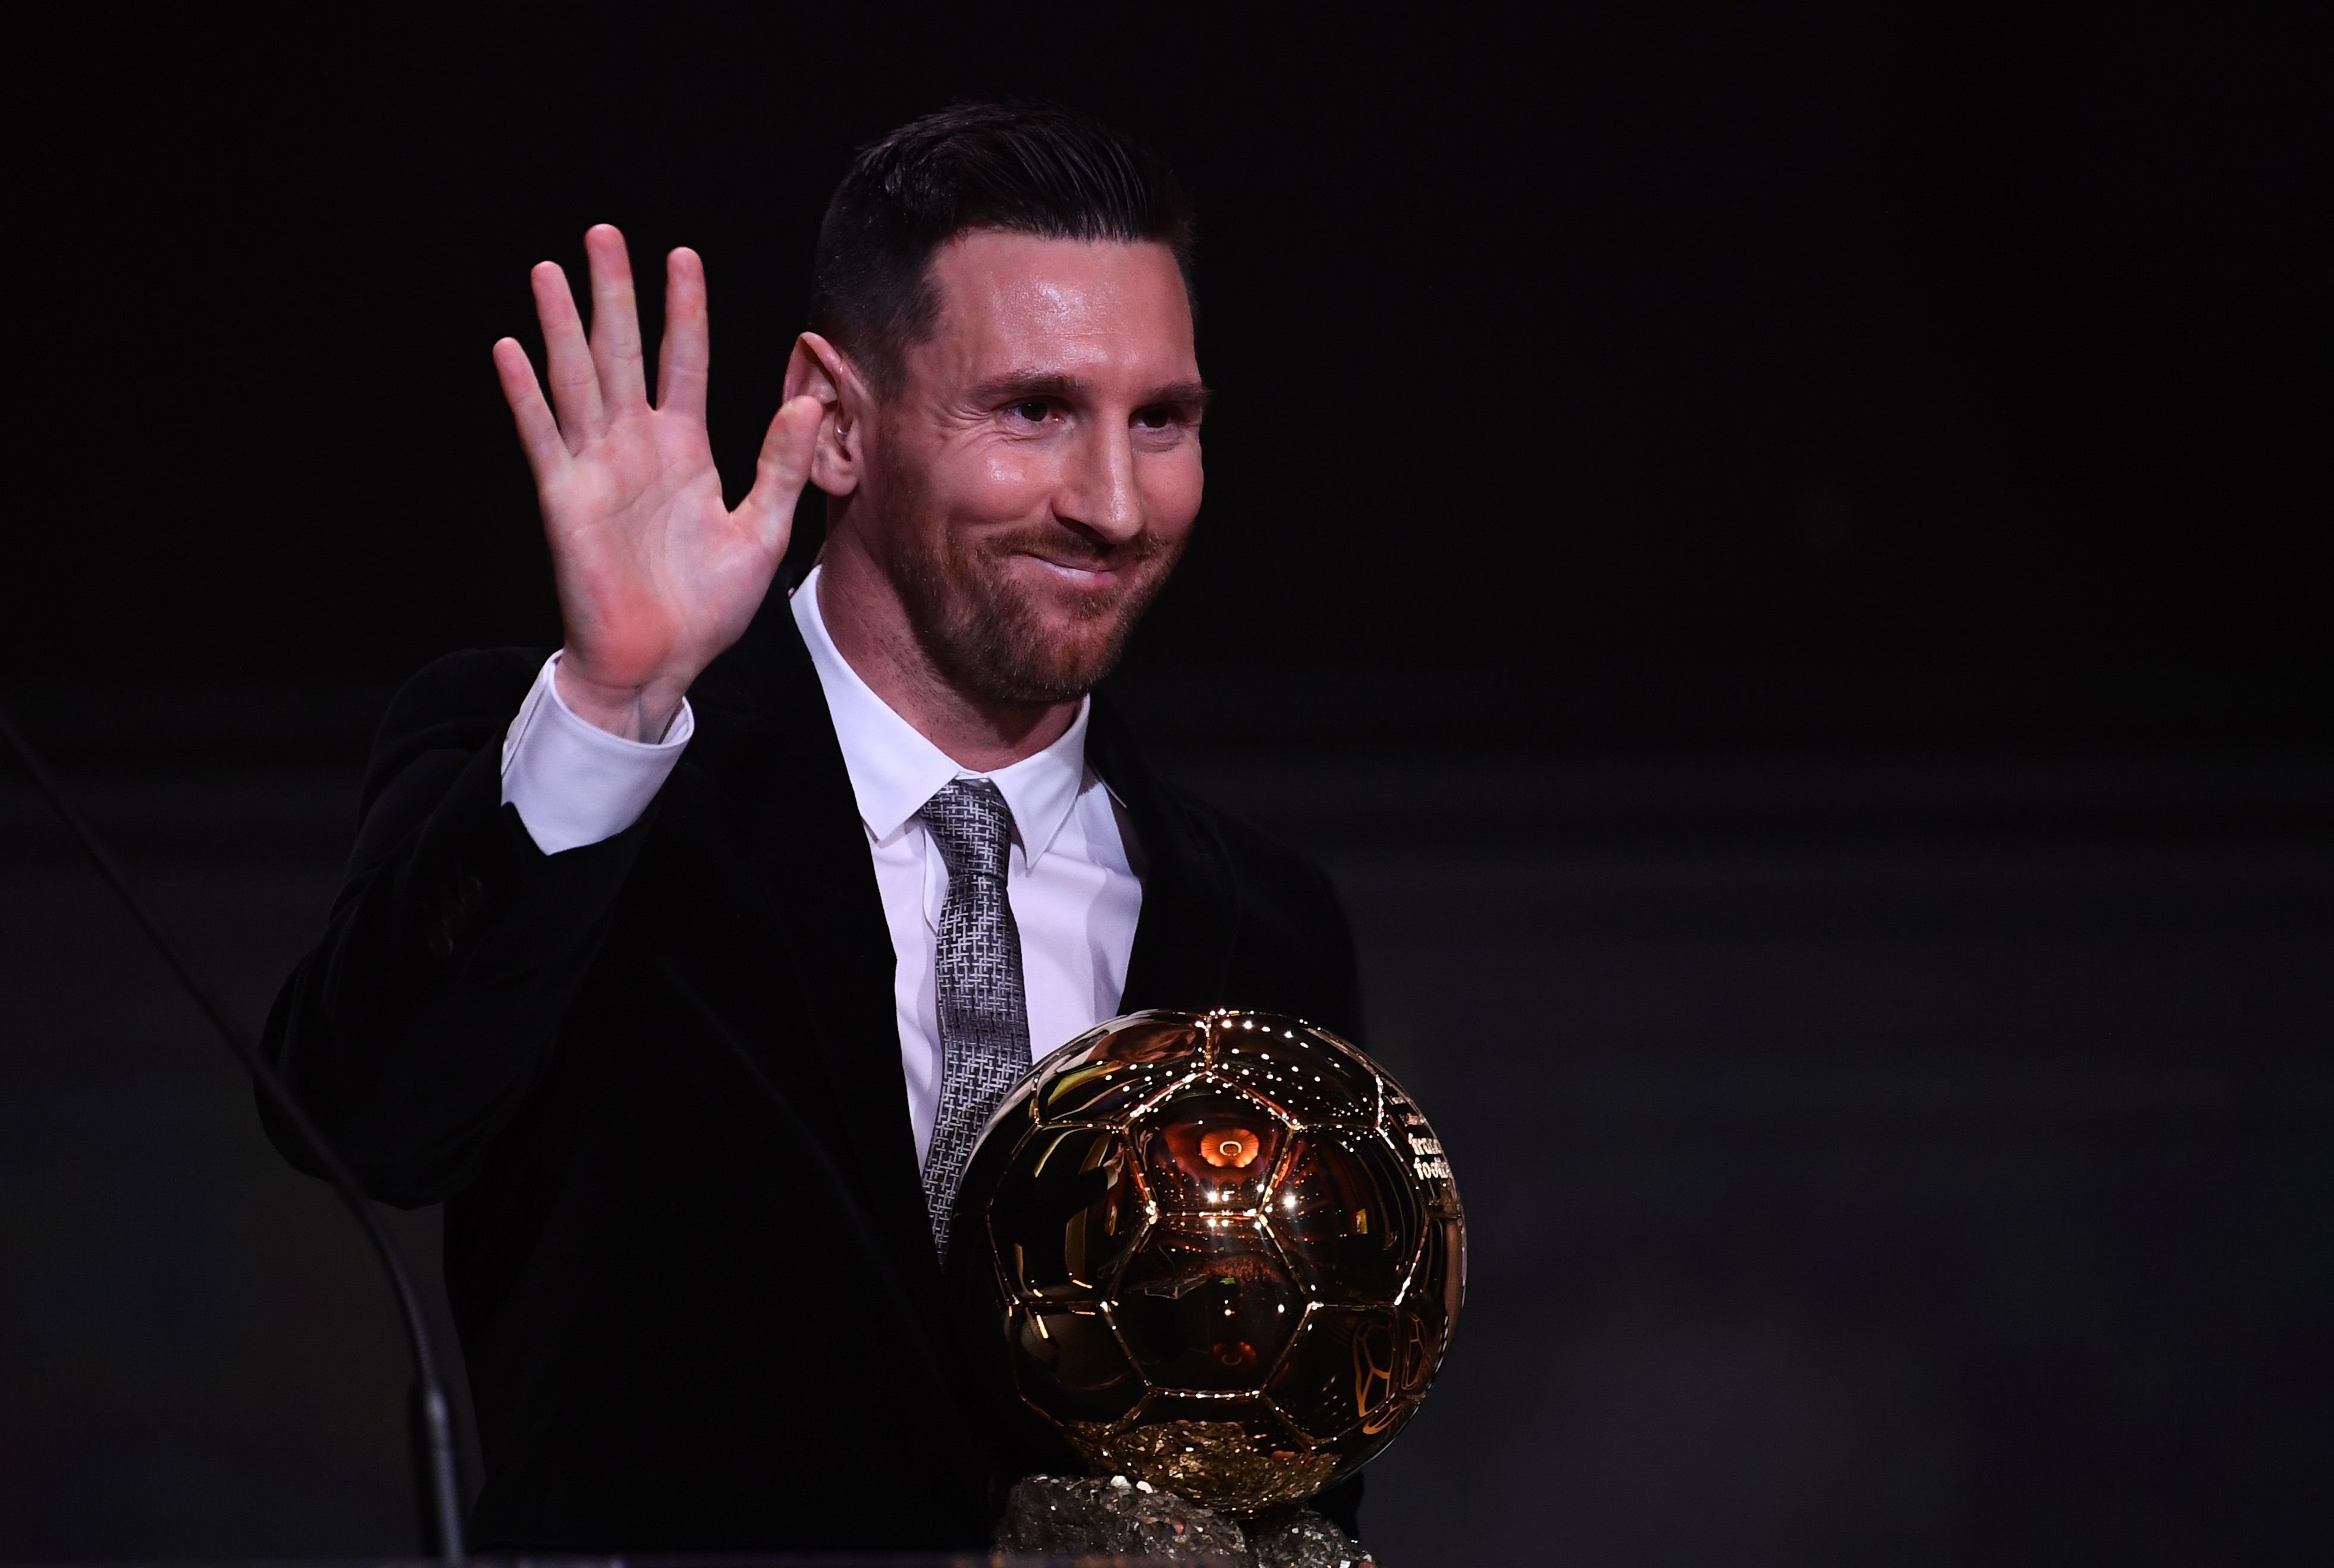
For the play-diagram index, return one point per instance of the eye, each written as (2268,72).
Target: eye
(1037,411)
(1155,419)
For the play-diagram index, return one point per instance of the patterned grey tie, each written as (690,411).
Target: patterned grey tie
(984,1012)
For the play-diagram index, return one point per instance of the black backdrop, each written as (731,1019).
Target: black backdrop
(1814,343)
(1777,554)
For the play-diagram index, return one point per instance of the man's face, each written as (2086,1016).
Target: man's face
(1035,476)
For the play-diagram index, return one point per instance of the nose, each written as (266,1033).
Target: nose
(1099,494)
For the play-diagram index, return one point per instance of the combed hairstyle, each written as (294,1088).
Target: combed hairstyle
(1022,168)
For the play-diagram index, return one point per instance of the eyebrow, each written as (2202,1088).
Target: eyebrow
(1191,394)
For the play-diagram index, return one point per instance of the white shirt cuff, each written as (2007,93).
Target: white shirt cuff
(572,783)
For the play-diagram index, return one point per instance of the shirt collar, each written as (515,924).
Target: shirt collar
(894,769)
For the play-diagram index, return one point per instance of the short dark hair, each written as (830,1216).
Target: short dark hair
(1023,168)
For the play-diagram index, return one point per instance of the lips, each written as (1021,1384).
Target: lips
(1084,573)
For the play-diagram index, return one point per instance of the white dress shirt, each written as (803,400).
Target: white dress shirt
(1074,887)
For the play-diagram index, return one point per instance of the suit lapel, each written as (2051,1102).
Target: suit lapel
(1190,902)
(786,799)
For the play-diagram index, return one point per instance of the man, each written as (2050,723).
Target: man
(683,965)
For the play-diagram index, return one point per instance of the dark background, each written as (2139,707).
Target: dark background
(1778,553)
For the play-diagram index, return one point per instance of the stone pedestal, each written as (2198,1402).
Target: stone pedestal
(1117,1516)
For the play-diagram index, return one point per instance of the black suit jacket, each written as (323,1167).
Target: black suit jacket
(656,1082)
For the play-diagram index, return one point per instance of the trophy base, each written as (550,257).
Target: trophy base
(1114,1515)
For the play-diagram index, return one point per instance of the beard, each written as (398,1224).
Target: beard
(1000,638)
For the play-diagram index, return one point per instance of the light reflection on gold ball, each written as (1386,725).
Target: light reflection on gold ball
(1224,1251)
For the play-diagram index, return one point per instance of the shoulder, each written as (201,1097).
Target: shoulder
(1295,950)
(1281,893)
(1269,871)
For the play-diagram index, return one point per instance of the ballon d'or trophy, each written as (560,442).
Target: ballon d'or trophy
(1223,1250)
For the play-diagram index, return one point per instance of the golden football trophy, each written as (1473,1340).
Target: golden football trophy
(1223,1250)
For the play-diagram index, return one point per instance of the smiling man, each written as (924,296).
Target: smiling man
(684,964)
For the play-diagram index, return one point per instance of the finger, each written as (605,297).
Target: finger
(686,355)
(783,469)
(538,432)
(615,321)
(574,385)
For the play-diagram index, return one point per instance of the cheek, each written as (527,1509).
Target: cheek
(1004,483)
(1171,484)
(969,483)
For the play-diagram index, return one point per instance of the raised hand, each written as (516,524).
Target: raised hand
(655,576)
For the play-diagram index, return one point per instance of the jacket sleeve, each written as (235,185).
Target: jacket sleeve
(429,1010)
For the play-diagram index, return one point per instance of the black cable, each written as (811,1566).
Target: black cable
(433,1429)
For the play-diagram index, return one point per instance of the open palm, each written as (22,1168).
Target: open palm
(655,574)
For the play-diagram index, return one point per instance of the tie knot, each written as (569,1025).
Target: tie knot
(973,825)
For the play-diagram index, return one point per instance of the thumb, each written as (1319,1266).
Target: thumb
(782,469)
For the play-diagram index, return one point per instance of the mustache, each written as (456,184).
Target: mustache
(1073,547)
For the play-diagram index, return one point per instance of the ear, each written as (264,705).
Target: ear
(820,369)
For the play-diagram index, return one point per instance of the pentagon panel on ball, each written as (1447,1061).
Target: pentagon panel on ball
(1224,1250)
